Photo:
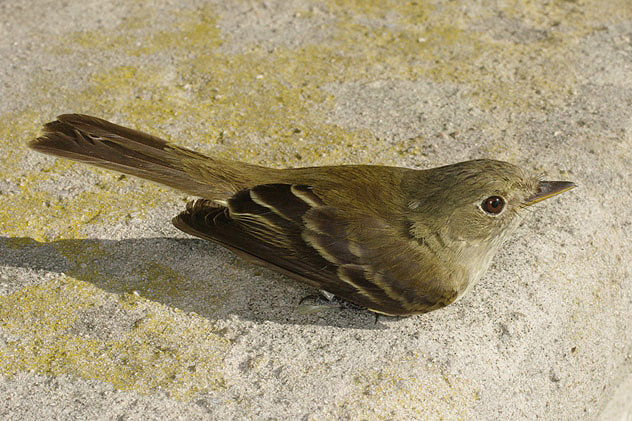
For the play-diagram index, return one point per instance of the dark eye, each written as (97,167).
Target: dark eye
(493,204)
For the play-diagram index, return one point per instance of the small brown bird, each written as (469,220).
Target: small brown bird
(397,241)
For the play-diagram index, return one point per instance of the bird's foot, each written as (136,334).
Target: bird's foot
(324,301)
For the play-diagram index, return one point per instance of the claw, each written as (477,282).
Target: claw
(331,303)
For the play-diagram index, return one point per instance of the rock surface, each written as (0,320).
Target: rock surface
(107,311)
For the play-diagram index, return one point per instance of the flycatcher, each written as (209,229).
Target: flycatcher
(395,240)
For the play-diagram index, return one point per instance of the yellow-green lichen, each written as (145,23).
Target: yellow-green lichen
(160,281)
(405,11)
(272,94)
(390,392)
(163,350)
(43,215)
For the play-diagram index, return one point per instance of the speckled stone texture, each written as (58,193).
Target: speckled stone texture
(108,312)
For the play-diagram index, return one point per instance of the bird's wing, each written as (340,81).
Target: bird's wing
(289,228)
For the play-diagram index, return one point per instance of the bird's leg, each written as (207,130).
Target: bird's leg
(332,302)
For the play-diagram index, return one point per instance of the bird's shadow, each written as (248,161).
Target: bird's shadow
(190,274)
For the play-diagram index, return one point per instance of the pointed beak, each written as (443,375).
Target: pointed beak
(548,189)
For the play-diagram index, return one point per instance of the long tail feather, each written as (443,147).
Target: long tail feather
(98,142)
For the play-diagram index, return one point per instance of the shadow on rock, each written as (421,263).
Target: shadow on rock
(190,274)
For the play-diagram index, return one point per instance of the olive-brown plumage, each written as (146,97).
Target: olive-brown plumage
(394,240)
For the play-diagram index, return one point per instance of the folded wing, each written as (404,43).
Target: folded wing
(288,228)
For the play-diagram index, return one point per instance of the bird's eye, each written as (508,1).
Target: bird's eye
(493,205)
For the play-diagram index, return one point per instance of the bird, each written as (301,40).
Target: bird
(395,241)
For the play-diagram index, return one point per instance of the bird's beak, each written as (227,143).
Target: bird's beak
(548,189)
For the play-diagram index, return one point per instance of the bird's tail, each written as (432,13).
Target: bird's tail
(98,142)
